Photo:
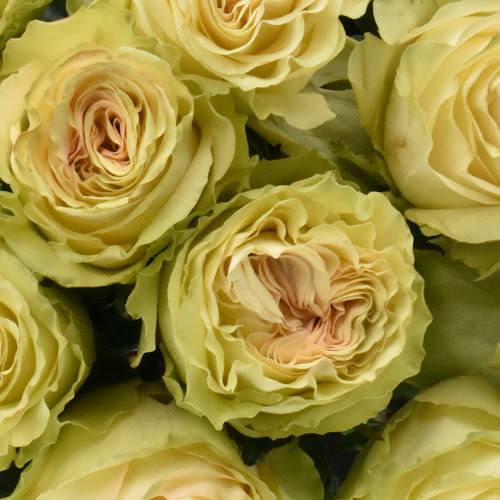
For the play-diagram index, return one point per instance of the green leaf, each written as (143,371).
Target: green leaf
(465,334)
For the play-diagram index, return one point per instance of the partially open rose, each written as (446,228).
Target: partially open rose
(430,99)
(117,444)
(292,309)
(46,349)
(103,147)
(267,48)
(444,444)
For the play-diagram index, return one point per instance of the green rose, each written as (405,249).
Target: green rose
(119,444)
(292,309)
(429,96)
(444,444)
(46,349)
(266,48)
(15,15)
(103,147)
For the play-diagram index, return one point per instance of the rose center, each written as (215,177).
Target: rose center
(99,142)
(110,131)
(304,312)
(229,6)
(235,15)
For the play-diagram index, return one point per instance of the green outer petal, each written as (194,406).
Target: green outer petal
(464,335)
(22,51)
(461,224)
(293,473)
(93,413)
(73,5)
(402,20)
(395,18)
(16,15)
(303,110)
(471,392)
(372,69)
(145,305)
(286,171)
(31,247)
(485,257)
(354,8)
(118,424)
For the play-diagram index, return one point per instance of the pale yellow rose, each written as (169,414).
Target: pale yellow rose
(117,444)
(292,309)
(46,349)
(103,146)
(445,444)
(267,48)
(431,103)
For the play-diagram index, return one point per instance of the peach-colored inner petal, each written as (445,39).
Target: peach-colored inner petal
(294,309)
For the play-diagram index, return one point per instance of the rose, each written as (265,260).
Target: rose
(46,349)
(15,15)
(430,104)
(114,447)
(269,49)
(292,309)
(443,444)
(103,147)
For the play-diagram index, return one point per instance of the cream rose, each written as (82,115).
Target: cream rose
(46,349)
(430,101)
(118,444)
(103,147)
(292,309)
(444,444)
(267,48)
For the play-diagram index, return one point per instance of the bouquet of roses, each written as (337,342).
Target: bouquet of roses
(250,249)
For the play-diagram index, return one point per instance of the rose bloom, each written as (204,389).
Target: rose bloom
(115,447)
(430,99)
(103,147)
(15,15)
(267,48)
(292,309)
(444,444)
(46,349)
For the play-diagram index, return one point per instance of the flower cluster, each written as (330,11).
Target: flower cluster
(243,242)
